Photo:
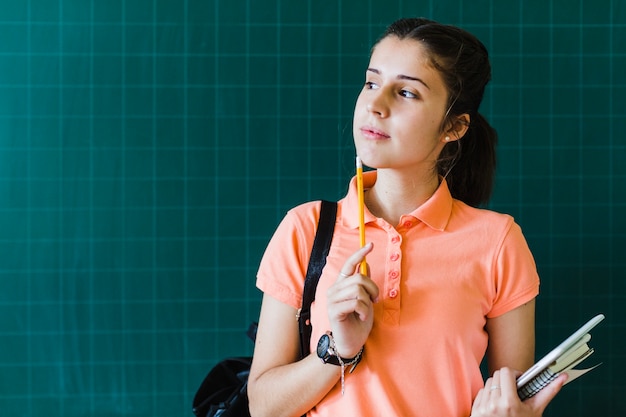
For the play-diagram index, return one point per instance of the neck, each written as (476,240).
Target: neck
(394,194)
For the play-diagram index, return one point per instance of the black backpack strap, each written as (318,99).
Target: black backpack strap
(321,246)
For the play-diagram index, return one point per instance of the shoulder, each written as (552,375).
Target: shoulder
(304,211)
(487,225)
(299,226)
(480,217)
(283,265)
(303,217)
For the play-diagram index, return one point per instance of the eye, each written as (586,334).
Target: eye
(407,94)
(370,85)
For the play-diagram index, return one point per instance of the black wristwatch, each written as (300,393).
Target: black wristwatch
(327,353)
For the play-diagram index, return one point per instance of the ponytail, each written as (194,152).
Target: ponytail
(469,164)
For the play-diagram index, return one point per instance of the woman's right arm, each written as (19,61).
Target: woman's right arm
(280,384)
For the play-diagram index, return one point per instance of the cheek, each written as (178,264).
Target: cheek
(424,125)
(436,124)
(421,134)
(359,111)
(359,105)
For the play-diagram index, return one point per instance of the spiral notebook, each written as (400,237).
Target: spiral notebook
(563,358)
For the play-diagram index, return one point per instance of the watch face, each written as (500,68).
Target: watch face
(322,346)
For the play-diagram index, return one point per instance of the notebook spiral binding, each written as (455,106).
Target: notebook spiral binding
(537,384)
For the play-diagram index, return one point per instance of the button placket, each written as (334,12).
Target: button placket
(394,267)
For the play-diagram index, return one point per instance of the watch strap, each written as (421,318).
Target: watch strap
(332,358)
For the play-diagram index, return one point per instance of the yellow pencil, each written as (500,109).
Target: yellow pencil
(359,187)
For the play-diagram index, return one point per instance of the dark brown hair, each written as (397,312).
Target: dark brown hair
(463,61)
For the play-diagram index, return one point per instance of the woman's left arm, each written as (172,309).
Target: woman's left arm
(512,339)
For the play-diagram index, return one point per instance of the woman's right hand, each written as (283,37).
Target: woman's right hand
(351,305)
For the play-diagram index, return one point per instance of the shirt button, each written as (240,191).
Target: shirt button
(393,293)
(395,239)
(394,274)
(394,257)
(408,224)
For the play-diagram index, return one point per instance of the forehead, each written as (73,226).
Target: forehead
(393,56)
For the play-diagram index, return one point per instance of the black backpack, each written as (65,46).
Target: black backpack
(223,392)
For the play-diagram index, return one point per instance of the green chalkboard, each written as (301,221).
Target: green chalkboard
(148,149)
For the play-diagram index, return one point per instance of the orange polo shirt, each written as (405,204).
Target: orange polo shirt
(441,271)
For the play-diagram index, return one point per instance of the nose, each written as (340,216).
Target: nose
(377,105)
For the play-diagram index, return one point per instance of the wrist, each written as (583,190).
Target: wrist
(344,347)
(328,353)
(346,355)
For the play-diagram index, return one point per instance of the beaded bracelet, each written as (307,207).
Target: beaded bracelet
(354,362)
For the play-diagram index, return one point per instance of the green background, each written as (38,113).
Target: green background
(148,149)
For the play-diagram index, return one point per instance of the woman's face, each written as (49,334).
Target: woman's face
(399,113)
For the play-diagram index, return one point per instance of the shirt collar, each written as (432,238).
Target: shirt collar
(435,212)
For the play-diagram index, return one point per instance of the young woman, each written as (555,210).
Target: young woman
(447,282)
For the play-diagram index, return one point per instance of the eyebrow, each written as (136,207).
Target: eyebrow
(402,77)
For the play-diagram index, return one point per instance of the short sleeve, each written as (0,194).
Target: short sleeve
(283,266)
(517,281)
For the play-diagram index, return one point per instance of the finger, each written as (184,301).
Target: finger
(482,397)
(353,298)
(354,287)
(494,389)
(343,309)
(370,289)
(541,400)
(507,382)
(354,260)
(361,307)
(478,400)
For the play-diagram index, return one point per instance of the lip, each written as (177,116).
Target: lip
(373,133)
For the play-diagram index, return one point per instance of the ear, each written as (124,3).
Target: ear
(458,128)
